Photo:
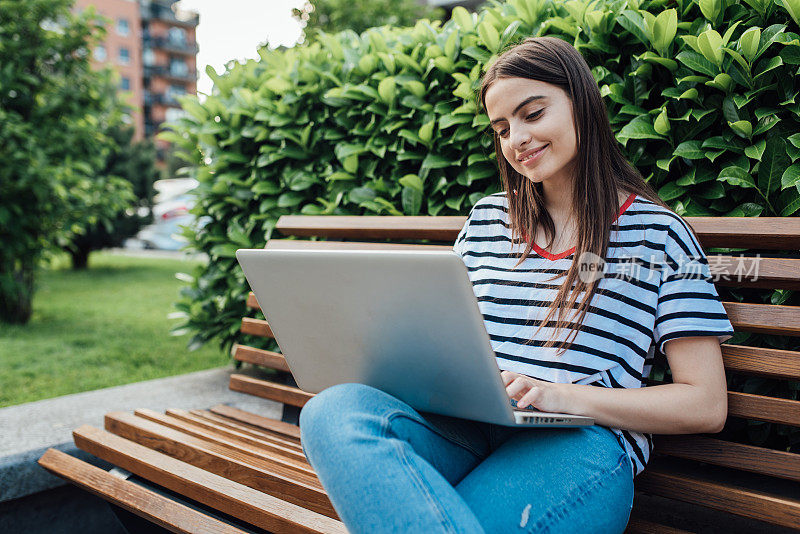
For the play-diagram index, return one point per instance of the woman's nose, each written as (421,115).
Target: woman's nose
(520,138)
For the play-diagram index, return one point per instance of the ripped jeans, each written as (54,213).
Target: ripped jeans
(389,468)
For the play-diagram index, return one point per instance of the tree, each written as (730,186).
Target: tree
(54,110)
(135,163)
(332,16)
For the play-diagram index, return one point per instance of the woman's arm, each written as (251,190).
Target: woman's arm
(696,401)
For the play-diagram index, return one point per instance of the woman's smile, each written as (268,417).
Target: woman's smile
(530,160)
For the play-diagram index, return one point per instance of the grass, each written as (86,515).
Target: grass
(102,327)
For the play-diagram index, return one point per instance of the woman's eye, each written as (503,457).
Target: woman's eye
(533,115)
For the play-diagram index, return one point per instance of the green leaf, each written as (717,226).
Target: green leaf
(790,200)
(638,128)
(426,131)
(773,164)
(463,18)
(225,250)
(490,37)
(736,176)
(756,151)
(710,9)
(664,30)
(690,150)
(361,194)
(387,89)
(748,42)
(266,188)
(411,200)
(791,177)
(698,63)
(670,191)
(340,176)
(773,63)
(710,43)
(434,161)
(792,7)
(742,128)
(661,124)
(413,181)
(290,199)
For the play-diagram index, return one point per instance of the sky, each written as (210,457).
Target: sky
(234,29)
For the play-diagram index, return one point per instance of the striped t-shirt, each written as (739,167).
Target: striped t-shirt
(656,286)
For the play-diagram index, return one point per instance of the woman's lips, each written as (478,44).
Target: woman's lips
(536,156)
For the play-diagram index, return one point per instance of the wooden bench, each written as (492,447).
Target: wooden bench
(225,470)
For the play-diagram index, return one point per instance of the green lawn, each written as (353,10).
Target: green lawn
(102,327)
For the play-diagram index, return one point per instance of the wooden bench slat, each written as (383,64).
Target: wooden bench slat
(267,443)
(730,454)
(755,272)
(637,525)
(774,363)
(773,233)
(764,318)
(439,228)
(727,269)
(745,502)
(256,327)
(269,390)
(266,476)
(303,244)
(273,436)
(134,498)
(771,409)
(263,358)
(253,506)
(262,451)
(258,421)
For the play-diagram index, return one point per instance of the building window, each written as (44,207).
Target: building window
(177,67)
(100,53)
(173,114)
(124,56)
(149,57)
(125,85)
(177,35)
(123,28)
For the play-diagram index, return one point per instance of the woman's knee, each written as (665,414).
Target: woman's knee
(333,412)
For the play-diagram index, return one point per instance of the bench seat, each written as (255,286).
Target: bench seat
(240,470)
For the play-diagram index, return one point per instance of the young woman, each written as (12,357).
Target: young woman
(622,294)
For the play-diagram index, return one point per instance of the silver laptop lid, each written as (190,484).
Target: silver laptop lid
(406,322)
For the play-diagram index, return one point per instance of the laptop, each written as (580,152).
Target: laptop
(404,321)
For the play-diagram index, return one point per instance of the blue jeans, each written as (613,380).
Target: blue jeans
(389,468)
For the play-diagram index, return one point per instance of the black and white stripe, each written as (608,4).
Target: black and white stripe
(656,287)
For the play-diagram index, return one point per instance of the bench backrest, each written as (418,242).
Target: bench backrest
(682,470)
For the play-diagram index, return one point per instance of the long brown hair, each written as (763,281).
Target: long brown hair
(601,171)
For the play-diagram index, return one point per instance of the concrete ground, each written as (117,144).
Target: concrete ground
(30,429)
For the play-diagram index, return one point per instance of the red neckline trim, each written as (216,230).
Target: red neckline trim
(542,252)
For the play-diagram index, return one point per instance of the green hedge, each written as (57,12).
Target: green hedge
(386,122)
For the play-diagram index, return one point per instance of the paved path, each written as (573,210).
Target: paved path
(27,430)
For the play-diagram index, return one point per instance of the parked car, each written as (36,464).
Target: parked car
(170,211)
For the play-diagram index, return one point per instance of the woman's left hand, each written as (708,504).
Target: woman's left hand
(544,396)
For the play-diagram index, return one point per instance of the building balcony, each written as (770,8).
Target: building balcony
(159,11)
(164,71)
(175,46)
(150,128)
(162,99)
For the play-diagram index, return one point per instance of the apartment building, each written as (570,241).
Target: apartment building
(122,51)
(152,45)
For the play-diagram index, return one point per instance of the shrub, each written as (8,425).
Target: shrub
(386,122)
